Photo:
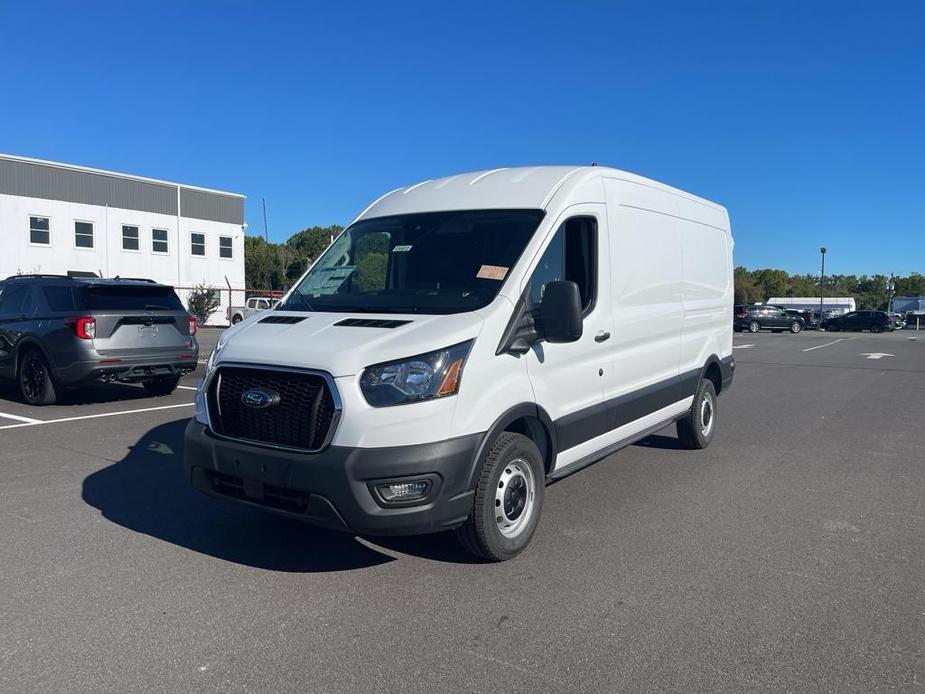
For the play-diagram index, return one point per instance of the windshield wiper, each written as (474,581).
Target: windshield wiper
(302,300)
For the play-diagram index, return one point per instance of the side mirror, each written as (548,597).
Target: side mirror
(559,314)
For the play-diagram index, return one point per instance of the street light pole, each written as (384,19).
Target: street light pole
(822,286)
(266,239)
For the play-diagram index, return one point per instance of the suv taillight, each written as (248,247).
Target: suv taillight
(742,314)
(84,327)
(193,325)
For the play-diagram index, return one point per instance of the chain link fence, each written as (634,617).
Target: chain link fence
(233,304)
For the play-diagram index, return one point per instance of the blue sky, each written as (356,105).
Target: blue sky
(806,119)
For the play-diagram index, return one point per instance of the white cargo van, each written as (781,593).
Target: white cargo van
(465,341)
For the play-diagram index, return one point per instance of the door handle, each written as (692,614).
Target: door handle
(601,336)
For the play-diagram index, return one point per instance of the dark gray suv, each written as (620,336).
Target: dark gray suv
(61,332)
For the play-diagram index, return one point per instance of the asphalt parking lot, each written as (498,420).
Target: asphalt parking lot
(789,556)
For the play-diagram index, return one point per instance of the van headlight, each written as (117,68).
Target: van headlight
(424,377)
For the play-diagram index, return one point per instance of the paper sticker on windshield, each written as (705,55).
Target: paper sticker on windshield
(492,272)
(401,249)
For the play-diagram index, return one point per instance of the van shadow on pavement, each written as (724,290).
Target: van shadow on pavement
(147,492)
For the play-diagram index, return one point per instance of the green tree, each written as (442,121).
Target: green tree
(311,242)
(913,285)
(202,302)
(746,291)
(771,282)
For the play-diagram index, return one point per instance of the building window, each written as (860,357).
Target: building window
(159,241)
(197,244)
(39,230)
(83,234)
(224,247)
(129,238)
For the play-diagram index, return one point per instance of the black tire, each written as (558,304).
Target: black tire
(162,386)
(36,383)
(754,326)
(831,328)
(796,327)
(875,328)
(481,534)
(236,319)
(693,431)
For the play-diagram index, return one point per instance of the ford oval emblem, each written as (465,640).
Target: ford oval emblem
(259,399)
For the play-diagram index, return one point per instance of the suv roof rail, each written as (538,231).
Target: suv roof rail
(36,275)
(131,279)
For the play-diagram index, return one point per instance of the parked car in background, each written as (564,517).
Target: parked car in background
(875,321)
(254,304)
(899,321)
(809,318)
(63,332)
(773,318)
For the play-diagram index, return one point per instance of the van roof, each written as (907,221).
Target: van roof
(530,187)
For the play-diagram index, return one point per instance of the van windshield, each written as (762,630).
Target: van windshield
(435,262)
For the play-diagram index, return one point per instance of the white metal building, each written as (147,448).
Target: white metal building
(59,218)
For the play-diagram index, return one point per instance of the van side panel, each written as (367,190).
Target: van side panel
(646,286)
(707,295)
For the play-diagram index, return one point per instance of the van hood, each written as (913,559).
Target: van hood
(315,341)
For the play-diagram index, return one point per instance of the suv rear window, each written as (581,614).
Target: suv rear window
(114,298)
(60,298)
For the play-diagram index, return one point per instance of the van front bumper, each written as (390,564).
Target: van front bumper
(336,487)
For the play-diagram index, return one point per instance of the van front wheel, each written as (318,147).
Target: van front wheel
(508,499)
(696,429)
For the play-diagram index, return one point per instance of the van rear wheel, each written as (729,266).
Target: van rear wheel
(508,500)
(695,430)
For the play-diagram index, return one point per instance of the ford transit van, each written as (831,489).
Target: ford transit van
(465,341)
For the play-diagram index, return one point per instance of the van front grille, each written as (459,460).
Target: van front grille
(300,413)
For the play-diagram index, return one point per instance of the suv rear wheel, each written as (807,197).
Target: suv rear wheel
(796,327)
(162,386)
(876,328)
(508,499)
(35,380)
(754,326)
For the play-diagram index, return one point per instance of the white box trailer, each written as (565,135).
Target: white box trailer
(839,304)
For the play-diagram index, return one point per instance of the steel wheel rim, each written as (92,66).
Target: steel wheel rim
(707,415)
(515,498)
(753,327)
(33,377)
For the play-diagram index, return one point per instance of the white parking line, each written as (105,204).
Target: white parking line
(187,387)
(828,344)
(27,420)
(37,422)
